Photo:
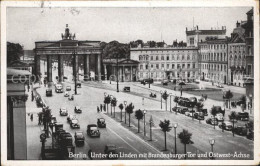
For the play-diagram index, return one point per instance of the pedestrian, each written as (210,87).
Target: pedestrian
(32,96)
(105,109)
(101,107)
(31,117)
(98,109)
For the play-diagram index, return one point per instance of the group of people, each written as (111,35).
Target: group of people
(101,108)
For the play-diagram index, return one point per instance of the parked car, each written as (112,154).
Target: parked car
(250,134)
(66,94)
(243,116)
(77,109)
(240,130)
(101,123)
(63,111)
(68,88)
(71,97)
(226,126)
(126,89)
(58,88)
(153,95)
(174,109)
(205,112)
(183,110)
(219,85)
(79,137)
(48,92)
(219,117)
(190,113)
(93,131)
(165,82)
(71,117)
(199,115)
(147,81)
(74,123)
(111,151)
(212,121)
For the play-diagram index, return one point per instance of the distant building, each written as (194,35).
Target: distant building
(213,61)
(166,62)
(195,35)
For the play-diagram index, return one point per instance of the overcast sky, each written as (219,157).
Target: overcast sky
(28,25)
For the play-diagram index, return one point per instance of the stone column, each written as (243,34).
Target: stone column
(76,67)
(105,71)
(37,67)
(49,69)
(60,68)
(123,73)
(86,68)
(99,67)
(131,73)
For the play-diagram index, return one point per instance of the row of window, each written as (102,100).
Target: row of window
(216,67)
(215,56)
(168,66)
(162,74)
(162,57)
(169,51)
(213,46)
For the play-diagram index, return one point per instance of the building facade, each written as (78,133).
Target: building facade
(166,62)
(214,60)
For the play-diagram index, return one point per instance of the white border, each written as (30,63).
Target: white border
(176,3)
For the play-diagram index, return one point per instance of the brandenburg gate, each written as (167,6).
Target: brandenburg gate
(68,46)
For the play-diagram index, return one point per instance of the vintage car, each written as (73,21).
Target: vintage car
(74,123)
(219,117)
(79,137)
(147,81)
(58,88)
(240,130)
(243,116)
(77,109)
(199,115)
(101,123)
(226,126)
(190,113)
(126,89)
(63,111)
(68,88)
(153,95)
(48,92)
(93,131)
(183,110)
(66,94)
(165,82)
(70,117)
(212,121)
(111,151)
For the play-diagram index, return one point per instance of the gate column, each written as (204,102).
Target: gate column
(60,68)
(86,67)
(37,67)
(99,67)
(49,69)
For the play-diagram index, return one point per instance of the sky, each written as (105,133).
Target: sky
(28,25)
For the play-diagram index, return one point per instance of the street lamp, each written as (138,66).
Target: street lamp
(161,97)
(117,86)
(175,126)
(125,102)
(212,142)
(144,123)
(170,102)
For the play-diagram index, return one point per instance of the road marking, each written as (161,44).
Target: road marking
(129,138)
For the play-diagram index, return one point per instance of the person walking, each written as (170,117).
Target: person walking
(101,107)
(105,109)
(98,109)
(32,96)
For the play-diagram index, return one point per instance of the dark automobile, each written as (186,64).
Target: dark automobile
(111,151)
(205,112)
(77,109)
(48,92)
(79,137)
(71,97)
(176,109)
(93,131)
(126,89)
(153,95)
(199,115)
(74,123)
(147,81)
(101,123)
(242,116)
(70,117)
(212,121)
(78,84)
(250,134)
(53,121)
(240,130)
(68,88)
(165,82)
(183,110)
(63,111)
(226,126)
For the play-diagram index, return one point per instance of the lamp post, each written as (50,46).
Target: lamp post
(117,85)
(125,102)
(144,123)
(111,98)
(170,102)
(212,142)
(161,97)
(175,145)
(147,63)
(75,70)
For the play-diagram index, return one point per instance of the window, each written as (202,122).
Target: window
(157,66)
(249,70)
(194,65)
(188,57)
(221,67)
(183,66)
(188,74)
(173,66)
(191,41)
(167,58)
(157,58)
(178,57)
(146,67)
(162,58)
(168,66)
(140,57)
(151,66)
(141,67)
(151,58)
(188,66)
(178,66)
(152,75)
(172,57)
(141,75)
(182,57)
(162,66)
(221,57)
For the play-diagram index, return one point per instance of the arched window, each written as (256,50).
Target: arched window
(162,58)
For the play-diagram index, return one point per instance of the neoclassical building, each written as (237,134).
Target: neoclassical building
(214,60)
(166,62)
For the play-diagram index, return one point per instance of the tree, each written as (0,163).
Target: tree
(233,117)
(46,119)
(228,95)
(113,103)
(115,49)
(129,109)
(14,52)
(199,106)
(185,138)
(152,44)
(176,99)
(107,100)
(165,127)
(139,115)
(121,107)
(242,102)
(214,112)
(165,96)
